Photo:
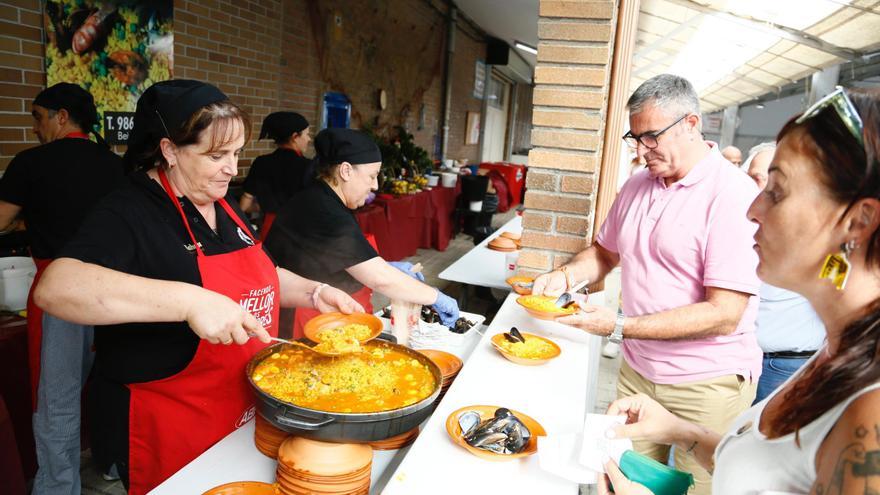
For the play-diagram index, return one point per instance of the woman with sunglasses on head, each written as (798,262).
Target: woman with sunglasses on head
(817,235)
(171,276)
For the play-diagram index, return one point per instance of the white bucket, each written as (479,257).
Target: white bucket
(433,180)
(448,179)
(16,276)
(476,206)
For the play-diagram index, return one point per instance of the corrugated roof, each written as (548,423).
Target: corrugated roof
(736,50)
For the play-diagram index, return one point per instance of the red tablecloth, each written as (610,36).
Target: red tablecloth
(15,388)
(515,176)
(405,223)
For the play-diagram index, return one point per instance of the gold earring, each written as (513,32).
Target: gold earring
(837,265)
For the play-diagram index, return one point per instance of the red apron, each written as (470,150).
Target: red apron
(363,296)
(35,331)
(35,314)
(174,420)
(268,220)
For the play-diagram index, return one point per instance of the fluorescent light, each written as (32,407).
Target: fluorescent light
(526,48)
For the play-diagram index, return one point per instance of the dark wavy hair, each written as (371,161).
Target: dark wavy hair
(850,172)
(223,113)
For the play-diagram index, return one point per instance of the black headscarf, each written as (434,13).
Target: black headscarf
(279,126)
(162,110)
(335,145)
(78,102)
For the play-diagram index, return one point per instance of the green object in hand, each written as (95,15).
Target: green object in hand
(659,478)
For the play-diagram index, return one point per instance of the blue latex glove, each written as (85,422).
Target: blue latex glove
(406,267)
(447,308)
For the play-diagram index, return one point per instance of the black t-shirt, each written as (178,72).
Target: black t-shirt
(137,230)
(316,236)
(56,184)
(276,177)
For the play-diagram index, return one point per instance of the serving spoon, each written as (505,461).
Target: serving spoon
(567,297)
(313,349)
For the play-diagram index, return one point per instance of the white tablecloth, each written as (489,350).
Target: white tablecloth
(557,394)
(481,265)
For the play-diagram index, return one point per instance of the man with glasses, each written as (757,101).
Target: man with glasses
(680,233)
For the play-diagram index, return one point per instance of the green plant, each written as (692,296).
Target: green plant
(400,155)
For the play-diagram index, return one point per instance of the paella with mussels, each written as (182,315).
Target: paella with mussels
(379,378)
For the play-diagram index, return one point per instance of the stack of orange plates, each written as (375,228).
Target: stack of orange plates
(267,438)
(449,365)
(502,244)
(243,488)
(396,442)
(311,467)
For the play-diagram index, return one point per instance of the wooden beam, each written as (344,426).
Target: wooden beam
(618,94)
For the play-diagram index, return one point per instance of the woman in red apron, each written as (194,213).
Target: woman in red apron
(317,236)
(276,177)
(172,277)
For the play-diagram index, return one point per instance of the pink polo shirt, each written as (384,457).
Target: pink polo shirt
(675,241)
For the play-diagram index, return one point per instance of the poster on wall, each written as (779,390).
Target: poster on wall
(114,49)
(472,128)
(479,79)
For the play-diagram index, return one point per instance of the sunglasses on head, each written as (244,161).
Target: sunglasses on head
(840,102)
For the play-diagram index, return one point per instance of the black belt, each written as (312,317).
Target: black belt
(789,354)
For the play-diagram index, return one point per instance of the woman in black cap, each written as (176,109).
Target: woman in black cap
(276,177)
(317,235)
(171,275)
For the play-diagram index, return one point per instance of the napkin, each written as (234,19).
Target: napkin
(596,447)
(557,455)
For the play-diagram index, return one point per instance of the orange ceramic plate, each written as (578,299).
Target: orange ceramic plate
(449,364)
(498,338)
(543,314)
(523,291)
(454,431)
(327,321)
(244,488)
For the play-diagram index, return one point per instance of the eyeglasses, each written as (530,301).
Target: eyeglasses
(648,139)
(840,102)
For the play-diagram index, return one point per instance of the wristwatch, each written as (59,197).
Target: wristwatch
(617,334)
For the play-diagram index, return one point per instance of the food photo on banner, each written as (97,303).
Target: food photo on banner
(113,49)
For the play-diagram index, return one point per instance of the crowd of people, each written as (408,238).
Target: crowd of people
(168,274)
(749,310)
(756,386)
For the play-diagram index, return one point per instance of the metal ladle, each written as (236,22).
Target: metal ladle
(300,344)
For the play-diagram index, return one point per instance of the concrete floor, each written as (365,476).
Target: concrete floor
(433,262)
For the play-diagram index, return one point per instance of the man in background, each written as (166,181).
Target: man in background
(733,155)
(52,187)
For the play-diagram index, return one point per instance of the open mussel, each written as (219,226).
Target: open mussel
(503,433)
(462,325)
(514,336)
(468,420)
(429,315)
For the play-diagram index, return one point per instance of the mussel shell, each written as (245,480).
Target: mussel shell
(503,412)
(468,421)
(514,336)
(491,441)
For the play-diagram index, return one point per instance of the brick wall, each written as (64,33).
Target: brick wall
(571,83)
(21,74)
(263,54)
(467,51)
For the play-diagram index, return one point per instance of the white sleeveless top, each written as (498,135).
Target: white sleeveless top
(747,463)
